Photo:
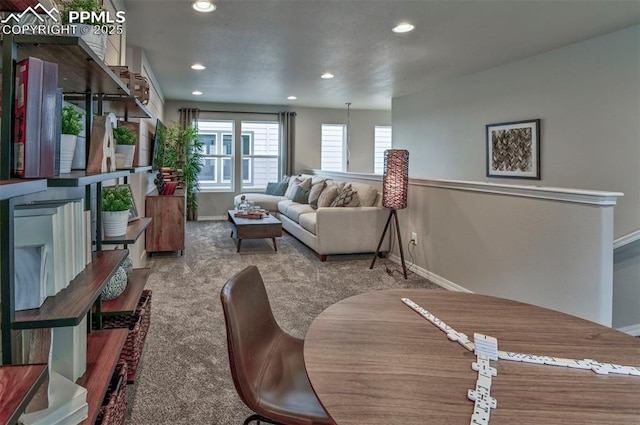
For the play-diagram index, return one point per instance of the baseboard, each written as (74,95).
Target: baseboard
(633,330)
(432,277)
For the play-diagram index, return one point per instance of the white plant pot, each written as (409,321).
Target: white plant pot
(127,151)
(115,222)
(67,148)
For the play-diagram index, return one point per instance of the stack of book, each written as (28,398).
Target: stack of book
(67,404)
(37,119)
(170,175)
(59,227)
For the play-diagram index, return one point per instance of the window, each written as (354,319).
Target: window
(259,159)
(260,153)
(217,149)
(334,147)
(382,142)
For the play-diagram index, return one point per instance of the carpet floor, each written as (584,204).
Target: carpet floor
(184,377)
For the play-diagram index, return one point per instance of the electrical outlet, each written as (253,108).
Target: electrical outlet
(414,238)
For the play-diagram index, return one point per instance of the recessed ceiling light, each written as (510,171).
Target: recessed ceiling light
(198,66)
(403,27)
(203,6)
(196,93)
(326,75)
(292,98)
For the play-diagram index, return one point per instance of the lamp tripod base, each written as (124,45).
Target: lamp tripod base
(392,214)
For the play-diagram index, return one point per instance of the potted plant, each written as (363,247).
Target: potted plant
(97,40)
(71,127)
(125,146)
(183,151)
(116,203)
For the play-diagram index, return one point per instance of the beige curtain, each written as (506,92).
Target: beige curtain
(189,116)
(287,122)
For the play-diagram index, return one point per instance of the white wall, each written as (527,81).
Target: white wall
(588,98)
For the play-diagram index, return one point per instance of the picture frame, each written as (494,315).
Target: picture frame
(513,149)
(133,211)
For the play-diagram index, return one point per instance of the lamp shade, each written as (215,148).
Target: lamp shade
(395,183)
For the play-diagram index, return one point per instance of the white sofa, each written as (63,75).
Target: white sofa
(330,230)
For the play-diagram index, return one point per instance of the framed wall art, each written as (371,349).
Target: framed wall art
(513,149)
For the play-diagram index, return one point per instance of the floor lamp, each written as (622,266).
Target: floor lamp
(395,185)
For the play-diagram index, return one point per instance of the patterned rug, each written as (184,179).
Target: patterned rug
(184,377)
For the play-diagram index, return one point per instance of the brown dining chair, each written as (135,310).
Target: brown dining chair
(266,363)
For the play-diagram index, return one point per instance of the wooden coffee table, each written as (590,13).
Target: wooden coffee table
(255,228)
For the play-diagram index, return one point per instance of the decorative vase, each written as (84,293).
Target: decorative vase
(127,151)
(128,264)
(116,285)
(67,149)
(115,222)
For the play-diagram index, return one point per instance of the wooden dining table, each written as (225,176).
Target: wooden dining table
(373,360)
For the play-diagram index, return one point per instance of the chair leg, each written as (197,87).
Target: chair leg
(258,419)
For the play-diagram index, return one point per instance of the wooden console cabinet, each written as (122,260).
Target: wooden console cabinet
(167,229)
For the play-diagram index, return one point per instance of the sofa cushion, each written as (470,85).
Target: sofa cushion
(316,191)
(295,182)
(284,205)
(347,198)
(295,211)
(308,222)
(366,193)
(328,195)
(301,195)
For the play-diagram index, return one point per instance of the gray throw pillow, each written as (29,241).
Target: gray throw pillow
(301,195)
(277,189)
(306,183)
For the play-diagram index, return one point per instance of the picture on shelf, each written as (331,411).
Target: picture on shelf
(133,211)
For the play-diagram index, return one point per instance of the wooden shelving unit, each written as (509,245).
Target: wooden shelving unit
(15,187)
(82,75)
(134,230)
(70,305)
(82,178)
(18,385)
(122,106)
(128,301)
(80,70)
(103,352)
(134,170)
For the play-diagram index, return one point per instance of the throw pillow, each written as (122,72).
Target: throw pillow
(314,194)
(301,195)
(347,198)
(271,189)
(327,196)
(298,181)
(278,189)
(366,193)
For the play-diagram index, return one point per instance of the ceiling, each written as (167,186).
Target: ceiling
(261,51)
